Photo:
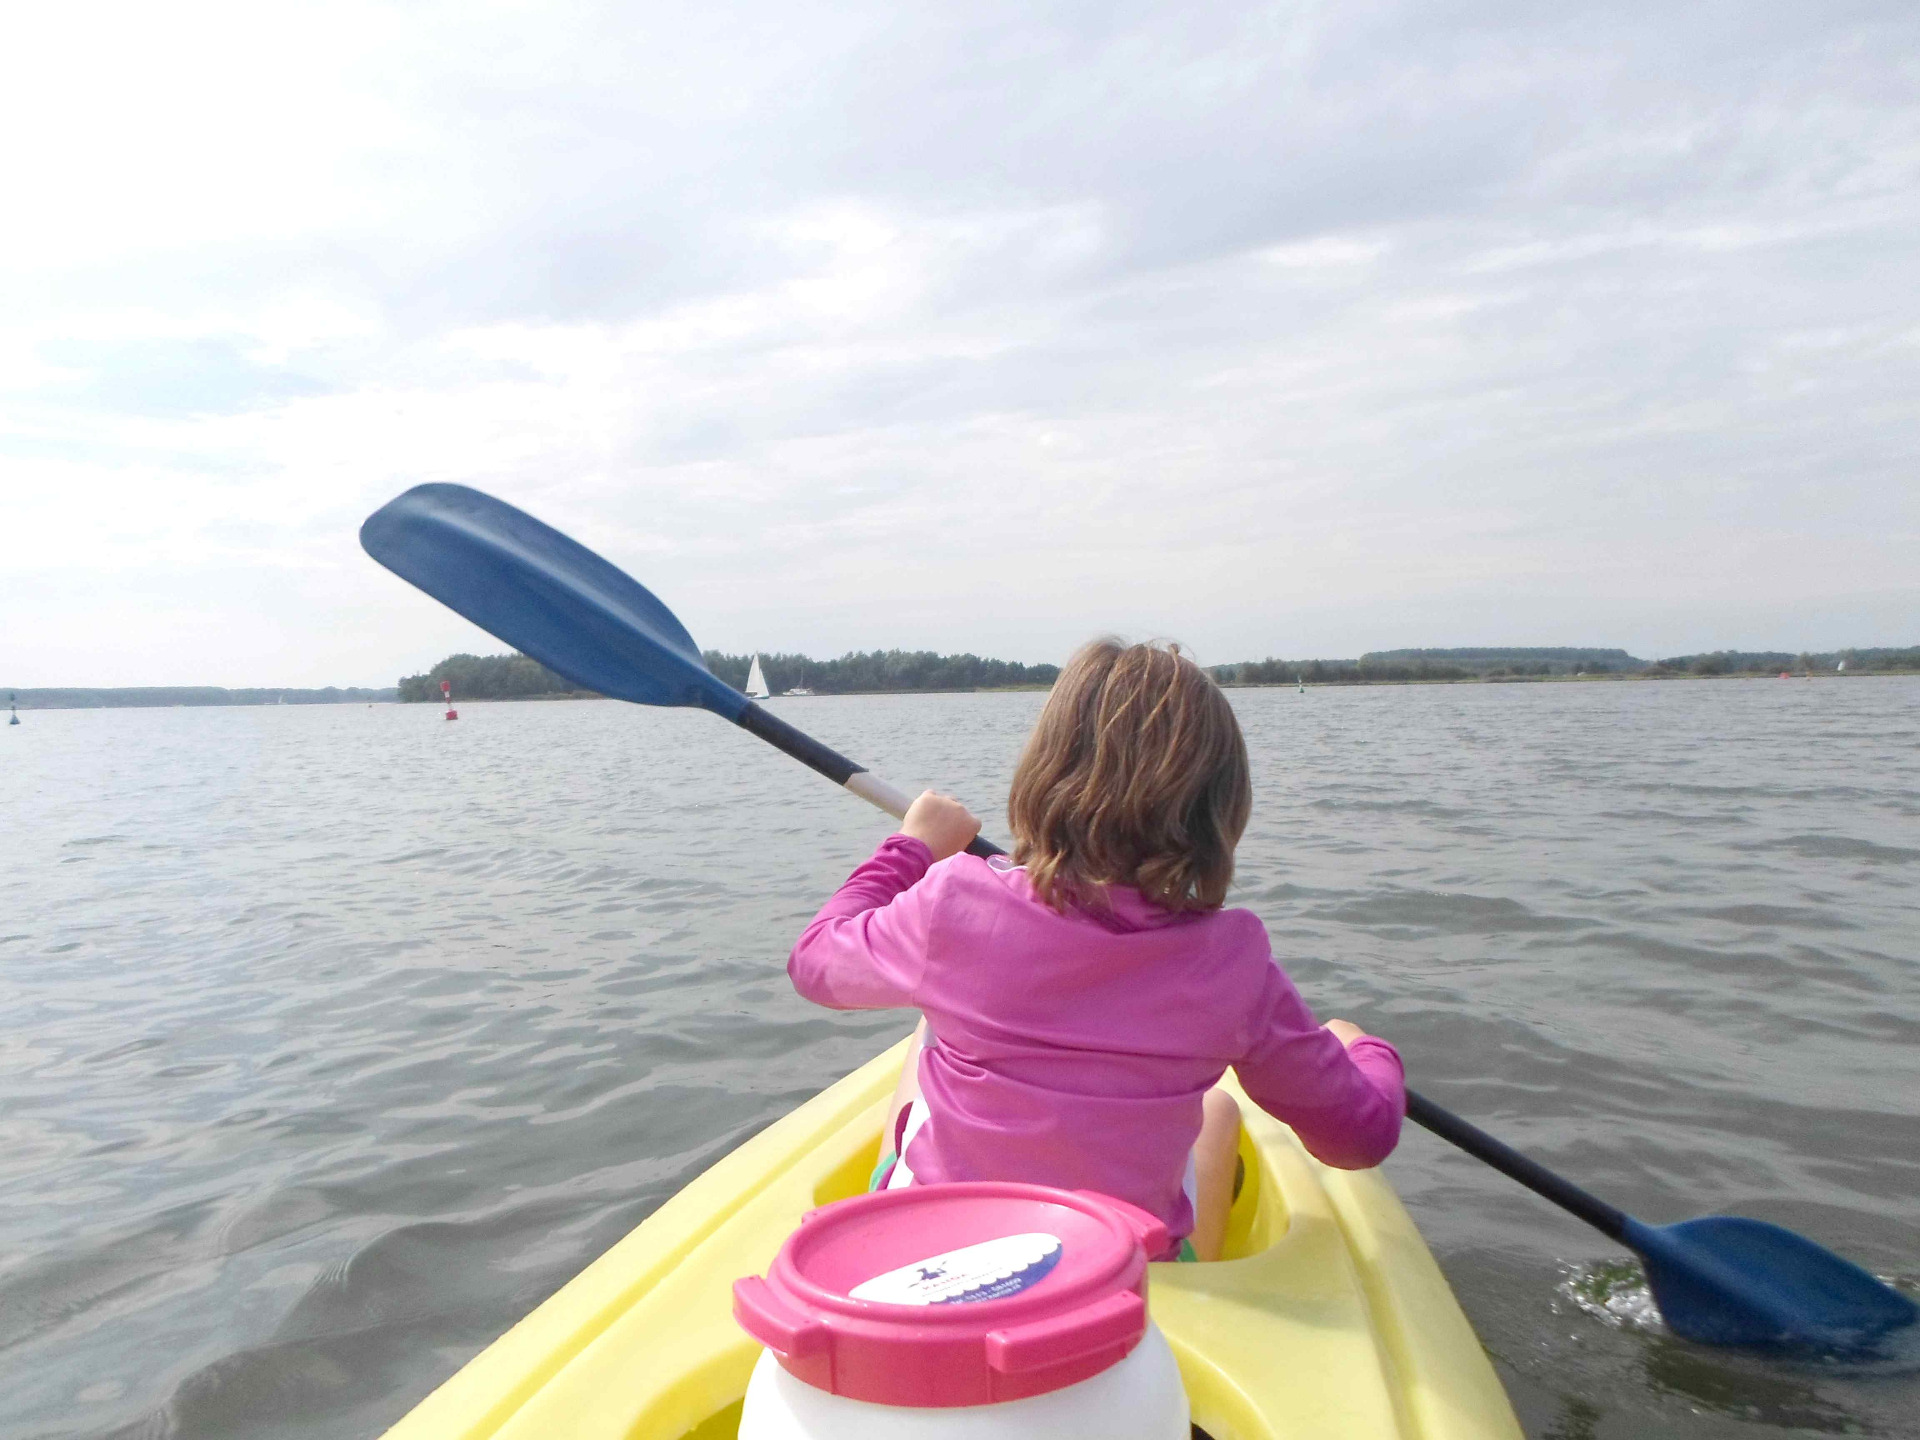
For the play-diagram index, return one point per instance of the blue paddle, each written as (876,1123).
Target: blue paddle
(1718,1279)
(552,598)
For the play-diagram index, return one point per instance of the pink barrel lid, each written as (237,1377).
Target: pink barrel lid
(957,1294)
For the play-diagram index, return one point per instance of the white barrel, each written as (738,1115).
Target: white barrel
(1137,1398)
(972,1310)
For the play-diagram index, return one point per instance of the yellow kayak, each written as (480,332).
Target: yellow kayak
(1328,1320)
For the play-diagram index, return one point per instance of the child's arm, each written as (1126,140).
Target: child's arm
(867,947)
(1344,1100)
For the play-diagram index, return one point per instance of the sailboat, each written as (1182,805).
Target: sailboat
(757,682)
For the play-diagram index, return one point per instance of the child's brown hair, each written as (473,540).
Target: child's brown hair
(1136,774)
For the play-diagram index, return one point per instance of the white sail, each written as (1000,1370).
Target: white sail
(757,682)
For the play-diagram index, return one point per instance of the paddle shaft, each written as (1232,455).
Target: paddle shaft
(843,772)
(1510,1162)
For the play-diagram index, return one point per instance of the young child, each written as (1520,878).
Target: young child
(1082,999)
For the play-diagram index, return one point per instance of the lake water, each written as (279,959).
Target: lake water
(334,1039)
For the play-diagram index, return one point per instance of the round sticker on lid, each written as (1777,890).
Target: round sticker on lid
(991,1270)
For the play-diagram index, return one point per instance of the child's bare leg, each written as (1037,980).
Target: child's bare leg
(1216,1154)
(908,1090)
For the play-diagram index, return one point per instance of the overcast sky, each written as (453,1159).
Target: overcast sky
(1297,330)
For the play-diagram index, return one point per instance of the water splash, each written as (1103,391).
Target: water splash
(1614,1292)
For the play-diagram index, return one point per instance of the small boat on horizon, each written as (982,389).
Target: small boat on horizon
(757,682)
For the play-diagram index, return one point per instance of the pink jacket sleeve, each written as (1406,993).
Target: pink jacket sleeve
(1344,1104)
(867,948)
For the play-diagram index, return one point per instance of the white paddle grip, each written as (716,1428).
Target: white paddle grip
(875,791)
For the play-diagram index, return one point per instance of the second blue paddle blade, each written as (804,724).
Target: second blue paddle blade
(546,595)
(1726,1280)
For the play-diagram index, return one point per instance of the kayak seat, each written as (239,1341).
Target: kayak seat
(1257,1219)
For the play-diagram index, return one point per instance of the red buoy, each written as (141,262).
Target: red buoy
(446,689)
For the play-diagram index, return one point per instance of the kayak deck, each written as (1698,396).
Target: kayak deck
(1328,1318)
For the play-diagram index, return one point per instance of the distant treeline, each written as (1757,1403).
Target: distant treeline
(487,677)
(1378,666)
(1538,662)
(1772,662)
(162,696)
(517,677)
(1517,660)
(859,672)
(1333,672)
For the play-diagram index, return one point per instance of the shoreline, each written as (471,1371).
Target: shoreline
(1630,677)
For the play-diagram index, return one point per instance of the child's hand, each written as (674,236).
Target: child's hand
(1345,1031)
(941,823)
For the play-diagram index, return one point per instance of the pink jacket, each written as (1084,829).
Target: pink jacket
(1074,1050)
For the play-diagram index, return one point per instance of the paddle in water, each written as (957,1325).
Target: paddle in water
(1721,1279)
(1718,1279)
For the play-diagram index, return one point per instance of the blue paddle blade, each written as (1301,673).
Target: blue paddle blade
(1724,1280)
(545,595)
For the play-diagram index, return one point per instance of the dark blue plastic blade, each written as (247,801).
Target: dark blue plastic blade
(545,595)
(1718,1279)
(1729,1281)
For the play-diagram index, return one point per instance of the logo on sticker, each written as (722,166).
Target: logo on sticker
(991,1270)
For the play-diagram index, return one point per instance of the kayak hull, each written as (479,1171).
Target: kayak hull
(1328,1318)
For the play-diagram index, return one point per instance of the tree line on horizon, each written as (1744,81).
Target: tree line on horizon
(487,677)
(1772,662)
(869,671)
(519,677)
(1378,666)
(162,697)
(1528,662)
(1272,671)
(516,677)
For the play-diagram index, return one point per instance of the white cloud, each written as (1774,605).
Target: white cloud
(1298,330)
